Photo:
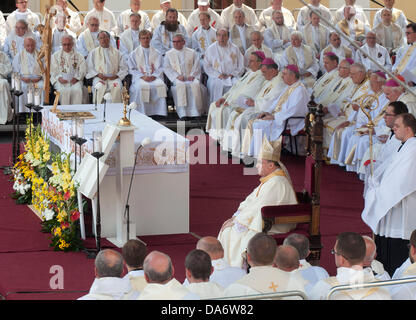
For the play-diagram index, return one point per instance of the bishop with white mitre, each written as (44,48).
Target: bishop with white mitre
(275,189)
(181,66)
(291,103)
(246,87)
(224,65)
(68,69)
(106,65)
(147,88)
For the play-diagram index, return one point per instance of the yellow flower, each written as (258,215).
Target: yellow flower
(63,244)
(57,232)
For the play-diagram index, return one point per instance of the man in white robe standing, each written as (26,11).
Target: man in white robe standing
(160,15)
(391,198)
(3,31)
(233,100)
(123,20)
(316,35)
(304,13)
(292,102)
(161,284)
(5,98)
(164,33)
(181,66)
(88,39)
(68,69)
(398,16)
(107,68)
(59,31)
(389,34)
(227,14)
(129,39)
(224,65)
(73,18)
(147,88)
(194,18)
(105,16)
(26,65)
(22,13)
(359,13)
(203,36)
(264,277)
(240,32)
(303,57)
(351,26)
(275,189)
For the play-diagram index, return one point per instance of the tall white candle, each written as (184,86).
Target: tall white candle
(17,84)
(80,128)
(29,96)
(37,99)
(97,141)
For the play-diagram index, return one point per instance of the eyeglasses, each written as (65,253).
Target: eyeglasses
(389,115)
(407,33)
(334,252)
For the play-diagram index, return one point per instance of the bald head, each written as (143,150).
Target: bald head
(158,268)
(212,246)
(370,252)
(287,258)
(108,263)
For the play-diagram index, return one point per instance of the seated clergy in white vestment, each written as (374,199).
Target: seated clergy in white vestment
(349,253)
(325,84)
(389,34)
(385,141)
(105,17)
(391,198)
(359,13)
(375,51)
(292,102)
(59,31)
(108,283)
(246,87)
(164,33)
(316,35)
(198,269)
(397,16)
(224,65)
(240,32)
(344,112)
(275,189)
(250,108)
(406,55)
(356,133)
(227,14)
(303,57)
(371,262)
(304,13)
(27,66)
(73,17)
(223,273)
(3,32)
(203,36)
(181,66)
(312,274)
(341,51)
(160,15)
(129,39)
(257,44)
(407,291)
(351,26)
(13,44)
(123,20)
(147,88)
(277,34)
(68,69)
(107,68)
(264,277)
(161,284)
(5,98)
(194,19)
(265,17)
(88,39)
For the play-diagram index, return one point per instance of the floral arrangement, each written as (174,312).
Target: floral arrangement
(45,180)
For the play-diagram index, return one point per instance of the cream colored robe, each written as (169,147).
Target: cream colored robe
(267,279)
(160,16)
(396,35)
(227,16)
(235,37)
(31,18)
(265,18)
(303,15)
(274,189)
(5,99)
(68,66)
(309,39)
(107,20)
(193,20)
(248,86)
(325,85)
(173,290)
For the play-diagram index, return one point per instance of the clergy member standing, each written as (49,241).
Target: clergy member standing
(5,98)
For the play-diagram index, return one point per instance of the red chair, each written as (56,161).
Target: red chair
(306,213)
(292,138)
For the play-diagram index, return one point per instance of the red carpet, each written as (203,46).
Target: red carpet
(215,192)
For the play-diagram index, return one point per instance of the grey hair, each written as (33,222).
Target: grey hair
(68,36)
(240,11)
(104,269)
(93,17)
(298,34)
(360,66)
(24,22)
(179,35)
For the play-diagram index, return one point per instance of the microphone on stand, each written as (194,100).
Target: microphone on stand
(144,142)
